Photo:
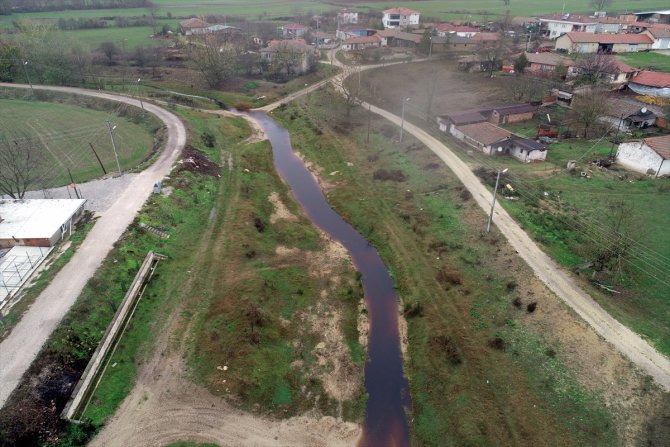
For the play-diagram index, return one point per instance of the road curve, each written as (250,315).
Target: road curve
(626,341)
(22,345)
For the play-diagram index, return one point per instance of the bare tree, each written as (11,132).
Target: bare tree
(110,50)
(524,88)
(610,248)
(216,62)
(588,107)
(19,163)
(600,5)
(597,68)
(348,82)
(430,90)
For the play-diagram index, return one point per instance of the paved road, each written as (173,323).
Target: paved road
(560,282)
(26,339)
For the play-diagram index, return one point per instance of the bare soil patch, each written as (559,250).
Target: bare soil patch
(195,161)
(281,212)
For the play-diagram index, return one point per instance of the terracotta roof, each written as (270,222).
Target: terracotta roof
(363,39)
(486,37)
(484,133)
(400,35)
(609,38)
(623,67)
(403,11)
(660,144)
(612,20)
(551,59)
(295,26)
(193,23)
(449,28)
(652,79)
(659,32)
(568,18)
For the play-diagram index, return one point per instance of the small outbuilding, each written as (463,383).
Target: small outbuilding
(651,83)
(649,156)
(39,222)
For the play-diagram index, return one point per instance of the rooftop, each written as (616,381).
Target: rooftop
(661,145)
(513,109)
(568,18)
(449,28)
(363,39)
(659,32)
(652,79)
(484,133)
(35,219)
(193,23)
(608,38)
(552,59)
(468,117)
(403,11)
(295,26)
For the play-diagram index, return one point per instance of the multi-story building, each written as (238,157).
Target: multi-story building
(556,25)
(401,18)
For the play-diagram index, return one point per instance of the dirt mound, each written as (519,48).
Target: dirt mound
(195,161)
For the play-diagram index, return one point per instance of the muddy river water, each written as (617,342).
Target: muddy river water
(388,393)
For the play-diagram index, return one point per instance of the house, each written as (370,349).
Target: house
(651,83)
(447,29)
(649,156)
(397,38)
(456,43)
(193,26)
(660,36)
(511,113)
(555,25)
(346,17)
(544,64)
(223,29)
(37,223)
(493,140)
(626,113)
(295,55)
(400,18)
(294,30)
(617,73)
(603,43)
(610,25)
(344,33)
(446,122)
(360,43)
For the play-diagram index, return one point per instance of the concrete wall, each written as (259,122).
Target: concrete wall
(639,157)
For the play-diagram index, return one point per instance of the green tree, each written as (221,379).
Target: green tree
(520,64)
(425,43)
(10,60)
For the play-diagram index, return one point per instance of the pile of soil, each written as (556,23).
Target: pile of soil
(195,161)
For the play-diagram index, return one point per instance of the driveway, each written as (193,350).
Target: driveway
(21,347)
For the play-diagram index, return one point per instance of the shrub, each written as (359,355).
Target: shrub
(395,175)
(243,106)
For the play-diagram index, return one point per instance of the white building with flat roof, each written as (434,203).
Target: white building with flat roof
(38,222)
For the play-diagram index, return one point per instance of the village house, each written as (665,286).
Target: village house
(610,25)
(397,38)
(555,25)
(651,83)
(662,16)
(294,30)
(361,43)
(493,140)
(456,43)
(193,26)
(627,113)
(447,29)
(660,36)
(296,56)
(446,122)
(344,33)
(511,113)
(346,17)
(400,18)
(617,74)
(603,43)
(544,64)
(649,156)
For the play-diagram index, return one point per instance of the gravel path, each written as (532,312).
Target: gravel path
(21,347)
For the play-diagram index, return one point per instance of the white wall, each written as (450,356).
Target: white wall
(639,157)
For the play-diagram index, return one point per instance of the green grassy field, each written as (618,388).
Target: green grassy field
(62,132)
(647,61)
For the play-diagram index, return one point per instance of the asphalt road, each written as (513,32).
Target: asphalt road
(21,347)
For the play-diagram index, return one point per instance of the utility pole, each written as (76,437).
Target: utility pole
(430,48)
(616,138)
(111,135)
(369,118)
(139,95)
(495,192)
(25,70)
(73,184)
(99,161)
(402,121)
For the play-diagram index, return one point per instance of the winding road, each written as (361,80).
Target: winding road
(22,345)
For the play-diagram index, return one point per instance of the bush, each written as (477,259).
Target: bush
(414,309)
(395,175)
(243,106)
(208,138)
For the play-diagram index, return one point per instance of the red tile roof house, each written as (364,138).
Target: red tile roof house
(493,140)
(603,43)
(649,156)
(447,29)
(294,30)
(544,64)
(618,75)
(400,17)
(661,37)
(193,26)
(360,43)
(651,83)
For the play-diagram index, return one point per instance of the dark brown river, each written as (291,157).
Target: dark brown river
(388,392)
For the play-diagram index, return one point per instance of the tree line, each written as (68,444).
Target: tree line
(12,6)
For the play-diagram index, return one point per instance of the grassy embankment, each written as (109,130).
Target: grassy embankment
(62,133)
(477,374)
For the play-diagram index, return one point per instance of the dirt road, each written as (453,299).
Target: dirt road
(626,341)
(26,339)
